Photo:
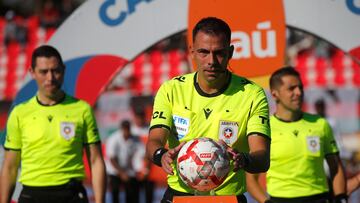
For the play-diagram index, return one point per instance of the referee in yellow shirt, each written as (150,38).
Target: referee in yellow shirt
(47,135)
(300,142)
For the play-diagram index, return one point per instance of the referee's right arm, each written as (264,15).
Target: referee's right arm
(157,140)
(8,175)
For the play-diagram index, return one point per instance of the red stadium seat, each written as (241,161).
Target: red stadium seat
(157,63)
(321,66)
(302,68)
(338,65)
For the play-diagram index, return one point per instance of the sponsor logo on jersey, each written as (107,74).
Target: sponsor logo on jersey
(50,117)
(313,143)
(207,112)
(158,114)
(182,125)
(180,78)
(264,120)
(228,131)
(67,130)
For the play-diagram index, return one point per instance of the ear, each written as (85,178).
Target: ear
(231,51)
(192,51)
(275,94)
(32,72)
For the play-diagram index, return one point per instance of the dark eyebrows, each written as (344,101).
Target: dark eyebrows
(218,51)
(202,50)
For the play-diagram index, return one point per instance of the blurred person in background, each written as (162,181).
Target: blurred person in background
(140,127)
(10,28)
(300,142)
(125,153)
(47,135)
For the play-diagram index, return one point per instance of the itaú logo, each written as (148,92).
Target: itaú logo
(260,43)
(205,155)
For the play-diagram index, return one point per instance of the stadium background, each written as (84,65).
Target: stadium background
(328,73)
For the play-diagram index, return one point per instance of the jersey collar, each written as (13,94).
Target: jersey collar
(202,93)
(286,121)
(60,101)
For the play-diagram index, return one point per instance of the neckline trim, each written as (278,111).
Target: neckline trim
(286,121)
(222,90)
(42,104)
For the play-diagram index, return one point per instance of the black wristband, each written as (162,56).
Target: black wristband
(245,160)
(340,198)
(157,156)
(268,201)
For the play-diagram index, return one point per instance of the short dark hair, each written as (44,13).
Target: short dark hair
(212,25)
(46,51)
(125,124)
(276,77)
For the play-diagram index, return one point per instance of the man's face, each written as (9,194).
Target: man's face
(290,94)
(126,132)
(211,54)
(48,75)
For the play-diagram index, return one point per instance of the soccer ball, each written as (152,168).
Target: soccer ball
(203,164)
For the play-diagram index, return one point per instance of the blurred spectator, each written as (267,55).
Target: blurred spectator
(321,109)
(10,28)
(66,8)
(140,128)
(125,154)
(15,30)
(50,15)
(22,33)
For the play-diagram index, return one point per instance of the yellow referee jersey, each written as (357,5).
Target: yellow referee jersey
(297,156)
(51,140)
(232,114)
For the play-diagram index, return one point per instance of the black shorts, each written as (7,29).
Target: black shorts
(170,193)
(72,192)
(320,198)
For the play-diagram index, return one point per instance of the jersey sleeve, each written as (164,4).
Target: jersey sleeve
(330,142)
(13,132)
(162,112)
(91,130)
(259,115)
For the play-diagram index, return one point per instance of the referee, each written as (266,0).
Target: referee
(211,102)
(47,135)
(300,143)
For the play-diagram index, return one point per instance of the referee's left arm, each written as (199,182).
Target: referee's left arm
(337,174)
(97,171)
(259,155)
(8,175)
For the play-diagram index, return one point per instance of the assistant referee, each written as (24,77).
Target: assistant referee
(47,135)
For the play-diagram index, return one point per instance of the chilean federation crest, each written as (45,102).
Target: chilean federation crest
(67,130)
(228,131)
(313,143)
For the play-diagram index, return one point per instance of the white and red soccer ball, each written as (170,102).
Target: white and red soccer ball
(203,164)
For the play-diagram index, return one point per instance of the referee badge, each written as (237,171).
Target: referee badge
(228,131)
(67,130)
(313,143)
(182,125)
